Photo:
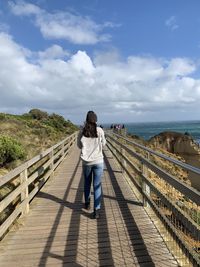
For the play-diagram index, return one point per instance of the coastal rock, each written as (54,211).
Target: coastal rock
(170,141)
(138,139)
(182,145)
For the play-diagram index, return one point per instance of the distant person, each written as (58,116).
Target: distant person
(91,140)
(118,127)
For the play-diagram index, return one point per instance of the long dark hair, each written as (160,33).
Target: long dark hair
(90,128)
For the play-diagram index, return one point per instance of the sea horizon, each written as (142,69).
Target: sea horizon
(146,130)
(137,122)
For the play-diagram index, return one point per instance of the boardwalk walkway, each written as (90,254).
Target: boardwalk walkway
(59,232)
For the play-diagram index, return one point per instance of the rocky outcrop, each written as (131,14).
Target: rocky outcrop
(170,141)
(182,145)
(138,139)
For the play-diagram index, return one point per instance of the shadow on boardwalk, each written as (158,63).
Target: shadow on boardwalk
(73,230)
(59,232)
(134,235)
(71,247)
(104,249)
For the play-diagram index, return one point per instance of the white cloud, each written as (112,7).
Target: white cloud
(180,66)
(24,8)
(82,63)
(53,52)
(137,86)
(171,23)
(63,25)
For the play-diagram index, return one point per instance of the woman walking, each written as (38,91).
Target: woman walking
(91,140)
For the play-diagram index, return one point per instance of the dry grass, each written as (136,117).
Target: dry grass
(35,136)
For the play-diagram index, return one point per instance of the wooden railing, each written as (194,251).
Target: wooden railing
(176,203)
(27,180)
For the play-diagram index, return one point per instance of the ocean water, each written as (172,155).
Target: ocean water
(147,130)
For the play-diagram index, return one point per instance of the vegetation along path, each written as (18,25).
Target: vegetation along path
(59,232)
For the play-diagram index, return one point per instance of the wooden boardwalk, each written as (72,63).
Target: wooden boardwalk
(59,232)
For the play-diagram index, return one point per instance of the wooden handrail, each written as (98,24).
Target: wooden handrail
(124,153)
(39,168)
(151,151)
(191,192)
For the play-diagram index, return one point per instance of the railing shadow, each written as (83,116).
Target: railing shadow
(129,221)
(71,245)
(104,245)
(133,202)
(46,252)
(102,229)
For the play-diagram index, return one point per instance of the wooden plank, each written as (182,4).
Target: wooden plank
(41,183)
(12,196)
(9,176)
(4,227)
(58,231)
(37,171)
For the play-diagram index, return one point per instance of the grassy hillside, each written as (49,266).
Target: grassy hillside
(24,136)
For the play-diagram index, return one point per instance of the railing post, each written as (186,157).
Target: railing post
(112,148)
(52,162)
(123,161)
(63,149)
(24,193)
(71,142)
(145,187)
(73,139)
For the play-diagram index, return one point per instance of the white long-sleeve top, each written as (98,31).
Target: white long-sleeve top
(92,148)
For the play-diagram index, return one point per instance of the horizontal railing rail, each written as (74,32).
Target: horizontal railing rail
(175,202)
(175,161)
(27,180)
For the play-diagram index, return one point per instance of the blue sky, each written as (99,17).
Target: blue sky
(129,61)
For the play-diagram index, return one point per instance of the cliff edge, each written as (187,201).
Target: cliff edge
(182,145)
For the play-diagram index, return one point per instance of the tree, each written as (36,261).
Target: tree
(38,114)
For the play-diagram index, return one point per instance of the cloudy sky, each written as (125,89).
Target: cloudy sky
(129,61)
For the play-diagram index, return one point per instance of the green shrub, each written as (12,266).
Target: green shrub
(10,150)
(59,123)
(2,116)
(38,114)
(56,121)
(26,117)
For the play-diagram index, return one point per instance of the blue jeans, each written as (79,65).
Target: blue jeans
(94,172)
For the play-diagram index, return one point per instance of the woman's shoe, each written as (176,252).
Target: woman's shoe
(96,214)
(87,205)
